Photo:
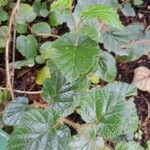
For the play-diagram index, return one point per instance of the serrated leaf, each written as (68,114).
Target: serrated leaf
(3,36)
(107,67)
(128,10)
(3,139)
(25,14)
(135,31)
(27,46)
(113,39)
(132,145)
(74,55)
(41,28)
(108,107)
(29,62)
(38,131)
(105,13)
(87,141)
(42,75)
(59,93)
(15,110)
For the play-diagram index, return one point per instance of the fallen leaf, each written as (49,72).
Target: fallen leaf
(142,78)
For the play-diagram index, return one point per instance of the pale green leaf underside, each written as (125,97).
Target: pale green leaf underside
(109,107)
(36,132)
(74,57)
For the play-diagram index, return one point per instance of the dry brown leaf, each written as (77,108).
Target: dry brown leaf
(142,78)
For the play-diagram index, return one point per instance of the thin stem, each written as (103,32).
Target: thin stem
(70,123)
(21,92)
(11,21)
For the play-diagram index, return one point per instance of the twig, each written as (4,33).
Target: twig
(13,58)
(70,123)
(11,21)
(22,92)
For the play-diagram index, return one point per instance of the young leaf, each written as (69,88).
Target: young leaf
(38,131)
(15,110)
(59,93)
(132,145)
(107,67)
(74,55)
(105,13)
(41,28)
(27,46)
(108,107)
(87,141)
(42,75)
(25,14)
(3,139)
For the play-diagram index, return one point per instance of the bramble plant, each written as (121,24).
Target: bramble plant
(72,66)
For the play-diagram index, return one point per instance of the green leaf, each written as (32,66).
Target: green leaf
(41,28)
(44,12)
(46,52)
(128,10)
(107,106)
(74,55)
(29,62)
(132,145)
(3,139)
(3,36)
(106,14)
(25,14)
(3,2)
(21,28)
(15,110)
(27,46)
(136,31)
(90,31)
(107,67)
(113,39)
(42,74)
(59,93)
(3,15)
(87,141)
(138,2)
(63,4)
(38,132)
